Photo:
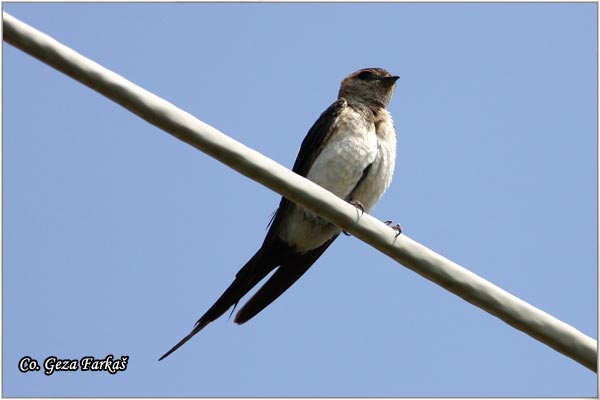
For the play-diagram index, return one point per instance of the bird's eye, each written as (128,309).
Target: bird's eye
(365,75)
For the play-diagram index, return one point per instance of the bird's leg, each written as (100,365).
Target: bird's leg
(396,227)
(359,206)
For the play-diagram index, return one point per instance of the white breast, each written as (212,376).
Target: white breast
(351,149)
(380,174)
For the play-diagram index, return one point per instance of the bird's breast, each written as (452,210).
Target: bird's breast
(379,176)
(350,149)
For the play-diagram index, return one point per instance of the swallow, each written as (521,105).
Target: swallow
(350,151)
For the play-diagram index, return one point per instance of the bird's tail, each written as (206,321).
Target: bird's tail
(289,272)
(263,262)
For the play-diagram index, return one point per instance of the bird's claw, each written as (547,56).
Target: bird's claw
(396,227)
(358,205)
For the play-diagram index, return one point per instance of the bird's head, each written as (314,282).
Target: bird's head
(371,86)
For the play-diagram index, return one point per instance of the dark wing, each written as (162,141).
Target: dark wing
(311,147)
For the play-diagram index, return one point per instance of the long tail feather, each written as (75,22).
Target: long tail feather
(288,273)
(263,262)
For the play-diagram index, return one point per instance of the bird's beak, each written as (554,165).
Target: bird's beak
(391,79)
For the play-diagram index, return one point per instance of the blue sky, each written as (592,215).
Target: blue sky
(117,236)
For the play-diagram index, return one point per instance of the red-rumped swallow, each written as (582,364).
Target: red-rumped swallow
(350,151)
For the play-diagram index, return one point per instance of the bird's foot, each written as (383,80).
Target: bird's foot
(359,206)
(396,227)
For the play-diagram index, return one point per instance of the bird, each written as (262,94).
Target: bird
(351,151)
